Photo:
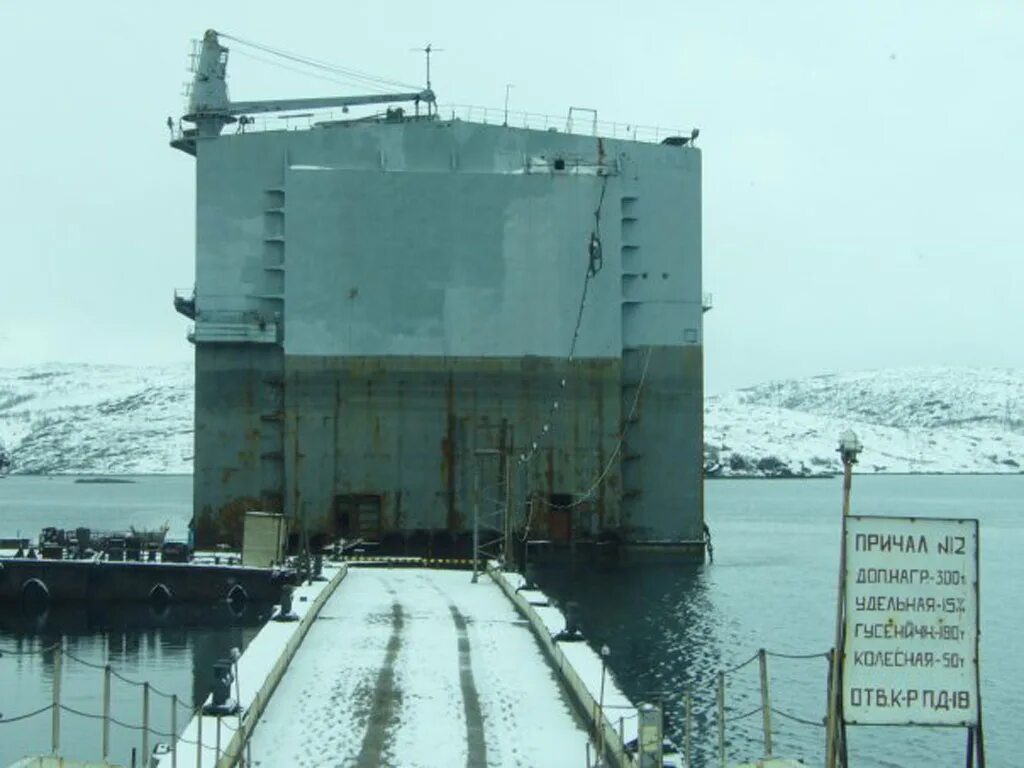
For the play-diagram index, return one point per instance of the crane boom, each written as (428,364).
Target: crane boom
(284,105)
(210,108)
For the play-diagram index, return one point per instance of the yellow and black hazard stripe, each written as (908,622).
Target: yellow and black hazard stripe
(422,562)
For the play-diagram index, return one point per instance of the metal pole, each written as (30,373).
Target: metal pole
(849,447)
(508,513)
(508,87)
(600,707)
(174,730)
(145,722)
(236,654)
(721,719)
(199,738)
(970,747)
(216,749)
(688,731)
(476,521)
(979,736)
(58,662)
(105,746)
(766,706)
(622,731)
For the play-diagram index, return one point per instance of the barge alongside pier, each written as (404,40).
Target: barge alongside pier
(43,582)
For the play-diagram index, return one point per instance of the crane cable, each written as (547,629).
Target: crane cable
(373,81)
(594,265)
(325,78)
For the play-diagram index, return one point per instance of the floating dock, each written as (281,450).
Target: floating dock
(405,319)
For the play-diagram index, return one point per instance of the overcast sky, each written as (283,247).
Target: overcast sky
(863,165)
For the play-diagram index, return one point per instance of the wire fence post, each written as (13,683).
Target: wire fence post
(688,731)
(145,722)
(721,718)
(105,741)
(58,662)
(174,730)
(766,707)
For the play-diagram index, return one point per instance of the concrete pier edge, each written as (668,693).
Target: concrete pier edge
(581,696)
(253,710)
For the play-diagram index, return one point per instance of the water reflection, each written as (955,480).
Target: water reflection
(173,647)
(661,625)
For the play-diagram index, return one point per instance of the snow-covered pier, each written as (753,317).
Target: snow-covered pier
(416,667)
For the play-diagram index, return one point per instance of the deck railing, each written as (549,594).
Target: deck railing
(577,122)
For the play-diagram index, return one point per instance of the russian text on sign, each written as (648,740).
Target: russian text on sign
(910,647)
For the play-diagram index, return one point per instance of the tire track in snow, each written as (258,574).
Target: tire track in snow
(477,748)
(386,696)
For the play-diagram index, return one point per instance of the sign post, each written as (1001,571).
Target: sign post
(910,650)
(849,447)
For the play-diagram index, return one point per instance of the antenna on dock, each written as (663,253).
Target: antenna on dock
(426,51)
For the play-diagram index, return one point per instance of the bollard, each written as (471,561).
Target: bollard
(688,731)
(285,612)
(58,662)
(105,746)
(766,707)
(572,618)
(721,719)
(174,730)
(145,722)
(223,703)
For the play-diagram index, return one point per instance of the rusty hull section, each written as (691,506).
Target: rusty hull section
(384,447)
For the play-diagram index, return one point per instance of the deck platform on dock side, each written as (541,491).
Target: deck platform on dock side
(419,668)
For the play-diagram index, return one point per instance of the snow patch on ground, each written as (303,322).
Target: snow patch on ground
(327,710)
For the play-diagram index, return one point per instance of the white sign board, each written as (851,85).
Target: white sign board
(910,653)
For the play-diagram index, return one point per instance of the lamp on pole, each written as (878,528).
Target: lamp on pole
(605,651)
(849,448)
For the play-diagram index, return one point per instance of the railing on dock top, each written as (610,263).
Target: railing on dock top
(576,122)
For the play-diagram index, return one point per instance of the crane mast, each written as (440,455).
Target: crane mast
(210,108)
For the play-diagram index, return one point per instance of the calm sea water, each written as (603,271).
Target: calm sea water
(773,585)
(670,629)
(173,650)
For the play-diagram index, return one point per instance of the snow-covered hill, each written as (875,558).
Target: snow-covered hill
(91,419)
(945,420)
(97,419)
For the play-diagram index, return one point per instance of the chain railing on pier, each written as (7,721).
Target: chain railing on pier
(722,713)
(144,729)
